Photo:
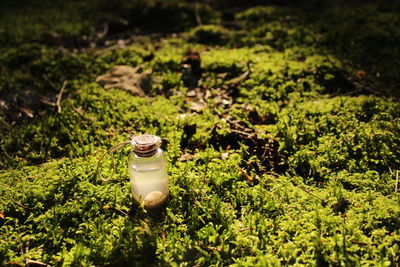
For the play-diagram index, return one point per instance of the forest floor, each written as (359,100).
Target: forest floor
(280,125)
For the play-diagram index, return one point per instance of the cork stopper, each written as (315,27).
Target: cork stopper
(145,145)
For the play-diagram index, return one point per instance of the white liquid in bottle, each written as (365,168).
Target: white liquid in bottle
(149,185)
(148,172)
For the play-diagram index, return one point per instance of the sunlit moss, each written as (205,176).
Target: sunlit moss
(328,200)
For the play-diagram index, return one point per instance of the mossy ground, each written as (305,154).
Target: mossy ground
(299,170)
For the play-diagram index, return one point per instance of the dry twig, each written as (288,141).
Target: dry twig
(246,229)
(6,124)
(197,14)
(121,211)
(50,82)
(210,248)
(362,243)
(32,262)
(311,194)
(59,96)
(20,205)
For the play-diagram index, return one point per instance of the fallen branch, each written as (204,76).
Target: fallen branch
(396,187)
(59,96)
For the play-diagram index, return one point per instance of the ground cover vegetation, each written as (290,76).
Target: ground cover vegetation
(282,134)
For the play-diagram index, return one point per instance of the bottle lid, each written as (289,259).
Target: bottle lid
(145,145)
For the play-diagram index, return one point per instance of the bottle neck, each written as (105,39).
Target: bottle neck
(145,154)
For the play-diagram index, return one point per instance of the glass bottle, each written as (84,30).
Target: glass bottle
(148,171)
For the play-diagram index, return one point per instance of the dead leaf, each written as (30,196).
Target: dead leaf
(224,155)
(245,175)
(227,102)
(197,106)
(182,116)
(191,93)
(2,215)
(79,110)
(207,94)
(186,157)
(128,79)
(360,74)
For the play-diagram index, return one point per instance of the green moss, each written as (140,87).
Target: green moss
(294,172)
(209,34)
(259,14)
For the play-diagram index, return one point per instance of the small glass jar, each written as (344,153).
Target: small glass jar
(148,171)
